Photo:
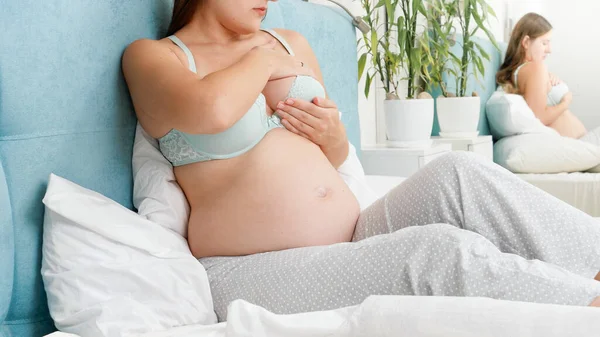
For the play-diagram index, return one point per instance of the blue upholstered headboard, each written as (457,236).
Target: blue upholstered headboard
(65,108)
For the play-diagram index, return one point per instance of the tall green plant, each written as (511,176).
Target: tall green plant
(400,53)
(384,62)
(413,45)
(470,16)
(440,16)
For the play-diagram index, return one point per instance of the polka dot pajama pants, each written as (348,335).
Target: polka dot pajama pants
(461,226)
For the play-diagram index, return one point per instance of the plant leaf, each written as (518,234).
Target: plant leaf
(368,85)
(487,32)
(479,65)
(455,58)
(361,65)
(401,33)
(380,3)
(491,11)
(390,10)
(482,51)
(374,44)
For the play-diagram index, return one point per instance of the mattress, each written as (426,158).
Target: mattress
(581,190)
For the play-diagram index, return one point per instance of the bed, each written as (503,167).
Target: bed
(376,316)
(581,190)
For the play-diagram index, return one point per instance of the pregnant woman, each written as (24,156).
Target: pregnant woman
(256,145)
(524,72)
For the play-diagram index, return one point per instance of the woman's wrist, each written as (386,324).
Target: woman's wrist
(564,106)
(258,57)
(337,151)
(336,154)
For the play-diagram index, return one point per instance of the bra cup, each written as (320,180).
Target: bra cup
(306,88)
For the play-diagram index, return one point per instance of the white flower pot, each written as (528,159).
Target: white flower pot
(458,116)
(408,123)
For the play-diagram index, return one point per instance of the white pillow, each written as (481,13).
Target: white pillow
(592,137)
(545,153)
(509,115)
(156,193)
(108,271)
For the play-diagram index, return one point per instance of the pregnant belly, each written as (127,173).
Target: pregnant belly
(282,194)
(569,125)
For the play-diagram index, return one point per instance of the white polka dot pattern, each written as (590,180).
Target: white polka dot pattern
(461,226)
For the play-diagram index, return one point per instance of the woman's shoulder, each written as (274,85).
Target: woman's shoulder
(533,72)
(149,51)
(533,76)
(290,35)
(141,47)
(534,68)
(298,42)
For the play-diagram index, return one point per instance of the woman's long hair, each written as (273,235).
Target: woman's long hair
(183,11)
(532,25)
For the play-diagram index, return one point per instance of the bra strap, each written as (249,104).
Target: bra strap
(186,50)
(279,38)
(516,74)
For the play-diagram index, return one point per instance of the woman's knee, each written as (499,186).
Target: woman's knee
(439,235)
(461,158)
(462,161)
(442,247)
(449,240)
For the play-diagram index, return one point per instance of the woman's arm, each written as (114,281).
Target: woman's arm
(336,150)
(170,94)
(535,79)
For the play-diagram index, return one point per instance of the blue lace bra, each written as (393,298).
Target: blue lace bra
(182,148)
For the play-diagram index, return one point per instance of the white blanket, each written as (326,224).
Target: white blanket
(410,316)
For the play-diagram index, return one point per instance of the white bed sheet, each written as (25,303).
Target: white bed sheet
(400,316)
(382,184)
(581,190)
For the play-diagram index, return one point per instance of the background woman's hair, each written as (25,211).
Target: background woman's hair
(532,25)
(183,11)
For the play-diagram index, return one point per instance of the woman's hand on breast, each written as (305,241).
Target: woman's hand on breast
(567,98)
(554,80)
(282,65)
(317,121)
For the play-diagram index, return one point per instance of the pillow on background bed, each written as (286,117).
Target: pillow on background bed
(108,271)
(509,115)
(545,153)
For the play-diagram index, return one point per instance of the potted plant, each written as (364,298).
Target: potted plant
(458,111)
(397,54)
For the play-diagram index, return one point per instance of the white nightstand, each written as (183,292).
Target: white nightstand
(392,161)
(482,145)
